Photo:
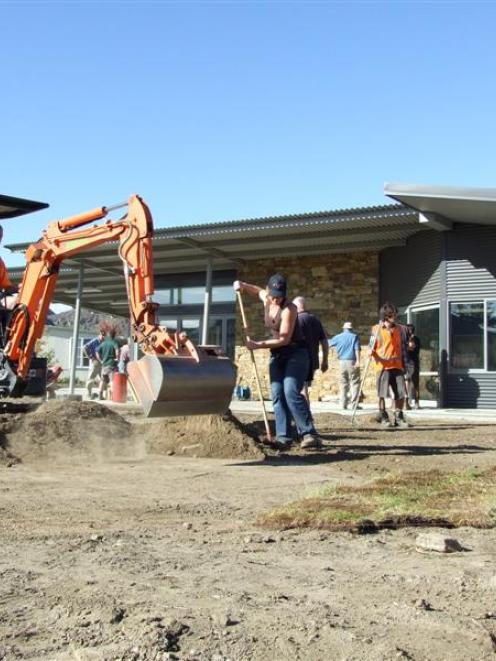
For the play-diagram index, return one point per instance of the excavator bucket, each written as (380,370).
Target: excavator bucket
(181,385)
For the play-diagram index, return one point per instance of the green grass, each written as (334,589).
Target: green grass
(466,498)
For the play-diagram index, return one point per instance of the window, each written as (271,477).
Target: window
(194,295)
(215,331)
(230,336)
(170,324)
(223,294)
(169,296)
(467,335)
(491,334)
(222,332)
(81,359)
(192,328)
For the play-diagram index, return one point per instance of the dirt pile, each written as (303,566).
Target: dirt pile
(201,436)
(67,429)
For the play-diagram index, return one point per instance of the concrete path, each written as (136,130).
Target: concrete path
(428,410)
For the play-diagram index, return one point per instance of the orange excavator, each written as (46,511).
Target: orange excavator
(173,377)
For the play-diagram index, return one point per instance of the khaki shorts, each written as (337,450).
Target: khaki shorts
(107,372)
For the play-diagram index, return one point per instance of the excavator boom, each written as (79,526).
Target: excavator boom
(174,377)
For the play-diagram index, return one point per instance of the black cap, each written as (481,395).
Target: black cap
(277,285)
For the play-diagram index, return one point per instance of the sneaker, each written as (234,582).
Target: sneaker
(311,441)
(399,420)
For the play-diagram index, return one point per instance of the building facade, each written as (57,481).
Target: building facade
(431,253)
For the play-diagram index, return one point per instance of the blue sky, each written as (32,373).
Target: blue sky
(222,110)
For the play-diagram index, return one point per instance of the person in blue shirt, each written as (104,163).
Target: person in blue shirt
(95,366)
(347,345)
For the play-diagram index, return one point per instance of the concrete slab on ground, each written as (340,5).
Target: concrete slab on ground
(428,410)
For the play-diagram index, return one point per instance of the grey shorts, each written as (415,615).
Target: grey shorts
(393,379)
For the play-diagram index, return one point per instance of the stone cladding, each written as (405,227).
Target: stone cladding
(337,288)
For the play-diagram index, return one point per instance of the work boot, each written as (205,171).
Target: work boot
(311,442)
(281,443)
(384,419)
(399,420)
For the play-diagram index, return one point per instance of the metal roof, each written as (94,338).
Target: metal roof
(454,203)
(231,243)
(10,207)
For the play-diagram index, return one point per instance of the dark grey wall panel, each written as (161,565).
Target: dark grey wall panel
(472,391)
(471,265)
(411,275)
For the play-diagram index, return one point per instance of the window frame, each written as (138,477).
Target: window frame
(469,370)
(424,308)
(80,364)
(179,318)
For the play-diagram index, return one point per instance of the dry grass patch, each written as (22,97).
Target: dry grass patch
(433,498)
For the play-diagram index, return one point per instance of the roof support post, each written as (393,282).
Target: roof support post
(208,300)
(75,334)
(443,327)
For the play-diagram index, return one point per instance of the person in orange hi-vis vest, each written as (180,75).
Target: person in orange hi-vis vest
(388,348)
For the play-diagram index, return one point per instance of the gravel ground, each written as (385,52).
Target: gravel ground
(136,555)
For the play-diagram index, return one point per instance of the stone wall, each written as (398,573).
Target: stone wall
(337,288)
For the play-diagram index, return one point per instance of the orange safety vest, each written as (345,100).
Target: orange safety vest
(4,276)
(388,346)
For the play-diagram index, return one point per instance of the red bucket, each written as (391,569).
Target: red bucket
(119,388)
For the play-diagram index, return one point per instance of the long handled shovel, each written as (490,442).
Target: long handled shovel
(364,376)
(255,369)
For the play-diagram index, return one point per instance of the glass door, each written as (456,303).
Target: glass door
(426,322)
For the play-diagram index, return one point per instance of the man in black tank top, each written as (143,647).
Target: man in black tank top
(289,362)
(315,337)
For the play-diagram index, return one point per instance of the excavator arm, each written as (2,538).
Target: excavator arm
(174,377)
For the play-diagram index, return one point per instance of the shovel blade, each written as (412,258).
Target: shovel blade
(180,385)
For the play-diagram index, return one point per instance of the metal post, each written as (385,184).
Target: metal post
(443,325)
(75,334)
(208,300)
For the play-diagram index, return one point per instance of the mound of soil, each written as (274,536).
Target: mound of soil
(201,436)
(67,428)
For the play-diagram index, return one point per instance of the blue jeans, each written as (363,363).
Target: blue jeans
(288,372)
